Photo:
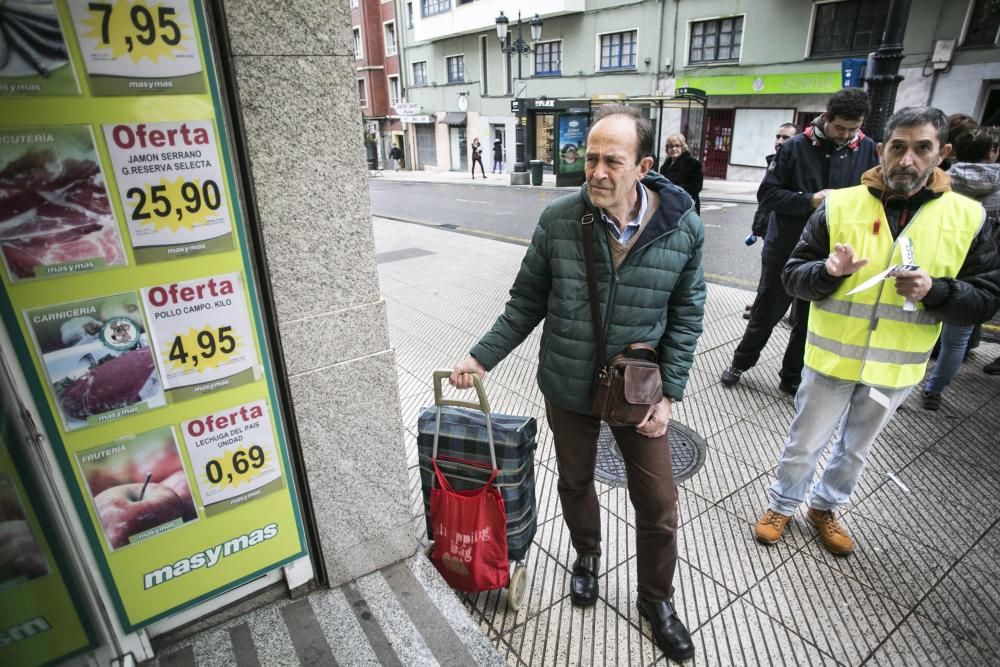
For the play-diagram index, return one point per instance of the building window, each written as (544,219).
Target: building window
(432,7)
(618,50)
(984,23)
(409,15)
(420,73)
(393,90)
(362,95)
(456,68)
(716,41)
(548,58)
(851,27)
(357,43)
(390,39)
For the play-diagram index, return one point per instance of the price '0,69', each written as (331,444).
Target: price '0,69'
(241,462)
(148,27)
(161,206)
(209,343)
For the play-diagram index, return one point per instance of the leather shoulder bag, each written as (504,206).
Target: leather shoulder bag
(628,384)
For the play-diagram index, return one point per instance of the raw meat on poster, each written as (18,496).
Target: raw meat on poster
(54,212)
(116,383)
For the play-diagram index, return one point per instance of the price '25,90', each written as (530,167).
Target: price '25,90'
(148,28)
(161,206)
(241,463)
(209,343)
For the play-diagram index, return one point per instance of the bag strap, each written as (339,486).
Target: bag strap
(595,305)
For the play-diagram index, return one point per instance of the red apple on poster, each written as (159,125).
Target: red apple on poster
(162,462)
(178,483)
(130,509)
(100,478)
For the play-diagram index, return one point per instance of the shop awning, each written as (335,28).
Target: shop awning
(453,118)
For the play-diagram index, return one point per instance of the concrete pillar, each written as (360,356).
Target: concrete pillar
(294,64)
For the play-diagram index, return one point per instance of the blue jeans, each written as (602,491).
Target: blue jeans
(954,340)
(820,404)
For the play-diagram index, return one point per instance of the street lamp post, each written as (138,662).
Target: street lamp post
(518,47)
(884,77)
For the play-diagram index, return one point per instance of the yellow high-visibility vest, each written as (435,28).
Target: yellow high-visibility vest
(869,337)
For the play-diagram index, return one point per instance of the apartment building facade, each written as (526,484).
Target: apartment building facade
(759,63)
(379,82)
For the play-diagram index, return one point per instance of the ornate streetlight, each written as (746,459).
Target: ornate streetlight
(518,47)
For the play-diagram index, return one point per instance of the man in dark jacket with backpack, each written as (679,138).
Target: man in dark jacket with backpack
(647,244)
(831,153)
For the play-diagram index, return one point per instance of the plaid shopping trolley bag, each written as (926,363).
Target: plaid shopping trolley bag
(468,442)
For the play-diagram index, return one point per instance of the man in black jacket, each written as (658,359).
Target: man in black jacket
(831,153)
(762,217)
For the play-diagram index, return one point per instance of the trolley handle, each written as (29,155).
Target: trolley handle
(439,400)
(483,405)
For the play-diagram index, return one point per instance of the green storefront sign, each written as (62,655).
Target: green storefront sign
(765,84)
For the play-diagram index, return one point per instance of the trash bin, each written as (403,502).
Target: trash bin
(536,171)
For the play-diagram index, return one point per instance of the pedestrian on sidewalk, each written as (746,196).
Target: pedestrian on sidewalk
(395,154)
(831,153)
(866,349)
(973,176)
(762,216)
(497,157)
(648,247)
(681,168)
(477,157)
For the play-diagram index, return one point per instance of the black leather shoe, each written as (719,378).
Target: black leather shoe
(731,376)
(668,630)
(583,583)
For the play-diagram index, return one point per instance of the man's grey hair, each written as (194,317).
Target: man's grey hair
(916,116)
(643,128)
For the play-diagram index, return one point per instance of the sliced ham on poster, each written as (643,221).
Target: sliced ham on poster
(55,215)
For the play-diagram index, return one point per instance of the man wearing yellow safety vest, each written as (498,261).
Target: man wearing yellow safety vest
(872,325)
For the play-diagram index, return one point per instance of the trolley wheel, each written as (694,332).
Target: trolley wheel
(517,589)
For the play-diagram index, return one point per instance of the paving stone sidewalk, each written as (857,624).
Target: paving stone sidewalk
(922,587)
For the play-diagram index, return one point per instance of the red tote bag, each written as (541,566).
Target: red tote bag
(470,533)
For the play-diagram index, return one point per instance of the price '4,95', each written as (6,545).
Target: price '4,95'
(210,348)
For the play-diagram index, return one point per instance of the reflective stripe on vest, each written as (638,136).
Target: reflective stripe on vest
(869,337)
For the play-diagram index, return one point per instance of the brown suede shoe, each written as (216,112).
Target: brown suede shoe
(833,535)
(771,527)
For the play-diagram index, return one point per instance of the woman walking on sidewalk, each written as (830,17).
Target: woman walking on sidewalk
(497,157)
(477,156)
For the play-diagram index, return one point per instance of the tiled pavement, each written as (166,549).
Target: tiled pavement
(922,587)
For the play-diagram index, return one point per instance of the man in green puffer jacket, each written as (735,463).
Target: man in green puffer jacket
(647,245)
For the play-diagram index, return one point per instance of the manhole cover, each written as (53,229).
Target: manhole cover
(687,452)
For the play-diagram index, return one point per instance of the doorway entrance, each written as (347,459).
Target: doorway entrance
(719,142)
(459,148)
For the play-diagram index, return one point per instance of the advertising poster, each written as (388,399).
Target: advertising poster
(39,623)
(138,487)
(98,359)
(171,189)
(144,347)
(55,217)
(34,59)
(202,336)
(138,47)
(572,142)
(234,455)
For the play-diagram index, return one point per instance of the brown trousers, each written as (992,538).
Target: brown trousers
(650,487)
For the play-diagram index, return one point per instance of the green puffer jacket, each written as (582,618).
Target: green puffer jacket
(657,296)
